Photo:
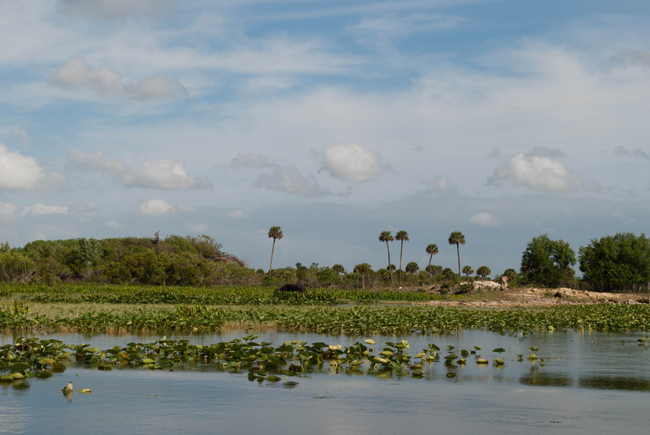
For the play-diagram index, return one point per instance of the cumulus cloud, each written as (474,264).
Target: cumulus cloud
(113,225)
(637,154)
(108,82)
(541,171)
(351,162)
(250,160)
(160,174)
(154,207)
(158,207)
(439,185)
(118,9)
(20,173)
(7,209)
(197,228)
(40,208)
(288,179)
(484,220)
(237,214)
(21,136)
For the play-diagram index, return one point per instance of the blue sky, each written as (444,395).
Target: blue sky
(335,120)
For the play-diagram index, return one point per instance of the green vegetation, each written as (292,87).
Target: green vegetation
(547,261)
(275,233)
(386,237)
(352,320)
(401,236)
(613,263)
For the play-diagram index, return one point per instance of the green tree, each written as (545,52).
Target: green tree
(432,249)
(457,238)
(467,270)
(386,237)
(547,261)
(363,269)
(275,233)
(616,261)
(483,271)
(401,236)
(412,267)
(432,269)
(338,269)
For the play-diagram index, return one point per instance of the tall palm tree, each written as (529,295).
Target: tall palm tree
(433,250)
(274,233)
(386,237)
(401,236)
(457,238)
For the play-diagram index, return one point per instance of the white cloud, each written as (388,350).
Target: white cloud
(154,207)
(185,209)
(160,174)
(439,185)
(197,227)
(7,209)
(288,179)
(237,214)
(20,173)
(20,135)
(484,220)
(351,162)
(117,9)
(113,225)
(40,208)
(250,160)
(537,171)
(106,81)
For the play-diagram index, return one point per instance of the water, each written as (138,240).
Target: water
(597,385)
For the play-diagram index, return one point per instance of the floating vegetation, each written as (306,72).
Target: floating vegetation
(350,320)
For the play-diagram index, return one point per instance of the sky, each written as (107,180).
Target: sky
(334,120)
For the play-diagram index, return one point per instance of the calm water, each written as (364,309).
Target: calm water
(597,386)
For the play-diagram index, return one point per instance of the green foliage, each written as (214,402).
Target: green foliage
(16,267)
(4,247)
(483,271)
(547,261)
(467,270)
(614,262)
(412,267)
(89,251)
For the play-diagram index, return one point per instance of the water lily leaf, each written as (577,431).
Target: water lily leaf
(534,348)
(148,361)
(84,391)
(105,367)
(434,347)
(482,361)
(370,341)
(499,350)
(532,357)
(499,361)
(6,378)
(16,375)
(92,349)
(273,378)
(451,375)
(43,374)
(19,367)
(477,348)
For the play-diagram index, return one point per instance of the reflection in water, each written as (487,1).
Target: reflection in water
(615,383)
(546,379)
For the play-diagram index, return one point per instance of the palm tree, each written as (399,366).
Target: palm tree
(412,267)
(467,270)
(457,238)
(483,271)
(363,269)
(433,250)
(274,233)
(386,237)
(401,236)
(338,269)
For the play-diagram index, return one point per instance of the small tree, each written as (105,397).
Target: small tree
(432,250)
(363,269)
(412,267)
(483,271)
(275,233)
(467,270)
(338,269)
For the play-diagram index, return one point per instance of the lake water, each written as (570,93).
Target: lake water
(597,386)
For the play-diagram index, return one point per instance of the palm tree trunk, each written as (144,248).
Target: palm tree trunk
(363,283)
(389,269)
(430,268)
(400,263)
(272,249)
(458,250)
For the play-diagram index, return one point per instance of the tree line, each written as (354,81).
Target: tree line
(619,262)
